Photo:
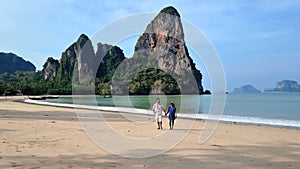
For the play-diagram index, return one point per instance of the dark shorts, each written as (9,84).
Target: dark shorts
(171,117)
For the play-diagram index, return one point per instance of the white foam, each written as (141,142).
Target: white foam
(240,119)
(223,118)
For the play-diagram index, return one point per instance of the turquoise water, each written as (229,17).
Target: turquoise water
(285,106)
(266,105)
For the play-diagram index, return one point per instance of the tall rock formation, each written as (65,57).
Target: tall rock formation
(110,57)
(164,36)
(76,62)
(162,46)
(10,63)
(50,68)
(161,62)
(85,61)
(81,66)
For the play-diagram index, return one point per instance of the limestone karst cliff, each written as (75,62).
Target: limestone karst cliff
(162,47)
(50,68)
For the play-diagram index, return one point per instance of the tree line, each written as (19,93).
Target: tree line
(33,83)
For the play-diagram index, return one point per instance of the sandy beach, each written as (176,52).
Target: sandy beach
(34,136)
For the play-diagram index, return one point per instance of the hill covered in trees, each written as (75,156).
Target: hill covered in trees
(10,63)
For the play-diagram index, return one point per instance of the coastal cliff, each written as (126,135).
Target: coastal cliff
(79,64)
(162,50)
(161,64)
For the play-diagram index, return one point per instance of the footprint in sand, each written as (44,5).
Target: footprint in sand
(14,164)
(113,165)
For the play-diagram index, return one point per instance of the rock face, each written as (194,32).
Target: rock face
(111,57)
(160,56)
(164,36)
(246,89)
(10,63)
(164,41)
(80,57)
(86,60)
(79,63)
(50,68)
(285,86)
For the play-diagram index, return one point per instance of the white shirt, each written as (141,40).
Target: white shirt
(158,109)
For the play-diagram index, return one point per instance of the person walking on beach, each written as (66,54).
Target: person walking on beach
(157,110)
(172,115)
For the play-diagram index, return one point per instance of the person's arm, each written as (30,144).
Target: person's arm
(175,113)
(163,108)
(153,107)
(166,113)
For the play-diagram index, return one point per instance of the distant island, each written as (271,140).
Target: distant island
(170,70)
(285,86)
(246,89)
(282,86)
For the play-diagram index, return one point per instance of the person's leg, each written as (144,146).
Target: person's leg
(158,125)
(160,121)
(170,123)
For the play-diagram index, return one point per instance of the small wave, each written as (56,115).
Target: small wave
(223,118)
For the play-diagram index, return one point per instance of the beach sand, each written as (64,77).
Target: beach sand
(34,136)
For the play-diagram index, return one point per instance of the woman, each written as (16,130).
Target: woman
(172,115)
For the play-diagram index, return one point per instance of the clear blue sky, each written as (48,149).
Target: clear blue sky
(258,41)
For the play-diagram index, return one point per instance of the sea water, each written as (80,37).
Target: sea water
(264,108)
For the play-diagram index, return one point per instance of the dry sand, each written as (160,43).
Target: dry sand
(34,136)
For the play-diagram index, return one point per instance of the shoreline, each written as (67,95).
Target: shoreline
(279,123)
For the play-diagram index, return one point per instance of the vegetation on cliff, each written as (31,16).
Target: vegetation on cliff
(160,65)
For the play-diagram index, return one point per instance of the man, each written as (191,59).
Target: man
(157,110)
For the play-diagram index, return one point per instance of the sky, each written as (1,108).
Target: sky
(257,41)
